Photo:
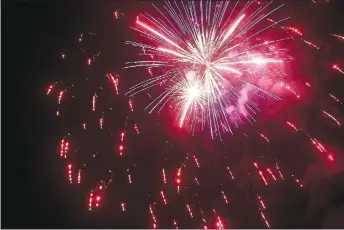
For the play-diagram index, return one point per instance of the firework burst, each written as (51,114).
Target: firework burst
(212,57)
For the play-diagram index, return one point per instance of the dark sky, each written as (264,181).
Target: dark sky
(34,193)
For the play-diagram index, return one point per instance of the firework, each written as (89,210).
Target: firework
(209,64)
(211,61)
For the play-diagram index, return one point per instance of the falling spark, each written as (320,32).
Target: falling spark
(50,88)
(263,178)
(230,172)
(163,197)
(336,67)
(279,171)
(339,37)
(273,176)
(196,161)
(332,117)
(79,176)
(164,176)
(120,148)
(292,126)
(261,202)
(123,206)
(263,136)
(70,173)
(335,98)
(224,196)
(131,106)
(122,136)
(189,210)
(136,129)
(265,220)
(64,148)
(311,44)
(114,81)
(60,97)
(101,121)
(129,176)
(94,99)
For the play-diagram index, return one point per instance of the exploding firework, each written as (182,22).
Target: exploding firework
(213,56)
(211,62)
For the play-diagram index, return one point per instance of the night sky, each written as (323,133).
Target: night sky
(35,192)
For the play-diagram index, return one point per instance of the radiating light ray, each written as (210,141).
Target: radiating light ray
(216,53)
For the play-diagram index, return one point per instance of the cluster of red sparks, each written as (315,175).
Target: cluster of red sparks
(267,175)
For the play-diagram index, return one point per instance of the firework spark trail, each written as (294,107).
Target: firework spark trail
(114,81)
(64,148)
(297,32)
(339,37)
(79,177)
(279,171)
(336,67)
(60,97)
(271,173)
(94,100)
(264,137)
(70,173)
(230,172)
(314,142)
(332,117)
(217,56)
(164,176)
(50,89)
(123,207)
(335,98)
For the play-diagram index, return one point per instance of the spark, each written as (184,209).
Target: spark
(123,207)
(230,172)
(311,44)
(334,98)
(115,81)
(263,177)
(336,67)
(70,174)
(136,129)
(264,137)
(196,161)
(131,107)
(271,173)
(50,88)
(120,148)
(94,99)
(79,176)
(101,122)
(339,37)
(332,117)
(292,126)
(189,210)
(164,176)
(64,148)
(261,202)
(60,97)
(279,171)
(163,197)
